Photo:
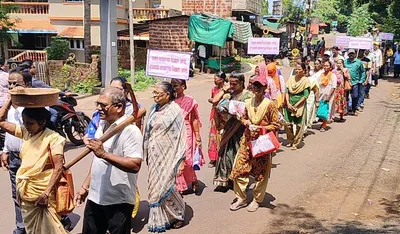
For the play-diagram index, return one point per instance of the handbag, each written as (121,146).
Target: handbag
(64,190)
(266,143)
(347,85)
(323,110)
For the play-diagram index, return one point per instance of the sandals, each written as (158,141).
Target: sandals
(177,224)
(211,164)
(195,186)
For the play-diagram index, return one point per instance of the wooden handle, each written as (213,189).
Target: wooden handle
(131,119)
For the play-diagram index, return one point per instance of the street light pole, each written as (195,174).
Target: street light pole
(131,41)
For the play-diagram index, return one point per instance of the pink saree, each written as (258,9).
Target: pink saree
(190,108)
(213,137)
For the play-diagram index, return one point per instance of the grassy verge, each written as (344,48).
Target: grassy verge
(142,81)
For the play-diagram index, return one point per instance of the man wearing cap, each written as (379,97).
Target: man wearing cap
(378,61)
(358,76)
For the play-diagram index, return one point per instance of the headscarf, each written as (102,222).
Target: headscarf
(325,79)
(273,73)
(262,70)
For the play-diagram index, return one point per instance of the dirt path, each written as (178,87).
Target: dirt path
(358,191)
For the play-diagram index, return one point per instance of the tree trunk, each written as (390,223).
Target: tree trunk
(87,32)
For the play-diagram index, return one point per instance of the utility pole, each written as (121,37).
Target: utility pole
(131,41)
(108,29)
(308,26)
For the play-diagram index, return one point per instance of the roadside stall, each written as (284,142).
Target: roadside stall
(211,34)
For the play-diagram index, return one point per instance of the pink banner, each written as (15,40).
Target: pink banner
(386,36)
(362,43)
(263,45)
(342,41)
(168,64)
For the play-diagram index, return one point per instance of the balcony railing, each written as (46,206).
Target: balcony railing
(150,13)
(32,8)
(35,55)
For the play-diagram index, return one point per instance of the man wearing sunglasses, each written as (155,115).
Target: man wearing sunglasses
(111,183)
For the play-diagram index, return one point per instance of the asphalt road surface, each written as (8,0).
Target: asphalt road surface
(342,181)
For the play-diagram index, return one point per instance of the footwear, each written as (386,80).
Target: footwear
(211,164)
(253,206)
(293,148)
(322,130)
(356,113)
(195,186)
(366,96)
(360,110)
(239,204)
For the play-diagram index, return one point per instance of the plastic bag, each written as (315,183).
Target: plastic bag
(197,159)
(323,110)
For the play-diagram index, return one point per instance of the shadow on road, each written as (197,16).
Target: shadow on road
(294,220)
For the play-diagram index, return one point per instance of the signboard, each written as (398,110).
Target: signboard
(362,43)
(343,41)
(386,36)
(263,45)
(168,64)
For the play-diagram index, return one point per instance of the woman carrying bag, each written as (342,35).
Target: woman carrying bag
(327,87)
(260,113)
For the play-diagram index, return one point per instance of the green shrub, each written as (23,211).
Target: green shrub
(77,79)
(58,49)
(142,81)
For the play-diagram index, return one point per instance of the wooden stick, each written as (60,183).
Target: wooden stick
(131,119)
(136,115)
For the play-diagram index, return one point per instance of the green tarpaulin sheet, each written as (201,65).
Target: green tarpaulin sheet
(271,24)
(210,30)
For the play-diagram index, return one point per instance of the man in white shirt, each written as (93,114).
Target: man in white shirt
(203,56)
(111,184)
(378,62)
(10,159)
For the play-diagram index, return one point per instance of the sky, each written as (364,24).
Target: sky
(269,5)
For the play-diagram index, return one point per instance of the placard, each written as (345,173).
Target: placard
(342,41)
(386,36)
(168,64)
(362,43)
(263,45)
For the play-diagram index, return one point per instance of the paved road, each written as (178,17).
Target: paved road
(336,178)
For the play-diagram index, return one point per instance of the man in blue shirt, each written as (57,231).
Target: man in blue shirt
(358,77)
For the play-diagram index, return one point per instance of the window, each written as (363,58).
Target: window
(76,44)
(41,41)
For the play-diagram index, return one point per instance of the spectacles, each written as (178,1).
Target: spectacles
(105,106)
(14,84)
(157,93)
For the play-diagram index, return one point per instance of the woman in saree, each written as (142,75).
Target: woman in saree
(164,149)
(42,156)
(297,91)
(313,98)
(192,122)
(232,128)
(343,75)
(327,87)
(214,136)
(260,113)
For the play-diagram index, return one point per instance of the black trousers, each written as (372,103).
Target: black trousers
(114,218)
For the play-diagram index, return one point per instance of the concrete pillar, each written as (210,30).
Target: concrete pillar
(108,31)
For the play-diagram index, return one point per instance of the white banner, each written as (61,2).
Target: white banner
(362,43)
(342,41)
(386,36)
(263,45)
(168,64)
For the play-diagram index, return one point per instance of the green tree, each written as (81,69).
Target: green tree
(264,8)
(293,11)
(328,11)
(58,48)
(392,21)
(360,21)
(6,24)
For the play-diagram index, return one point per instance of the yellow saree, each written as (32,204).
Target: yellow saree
(32,180)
